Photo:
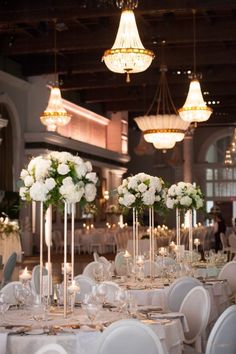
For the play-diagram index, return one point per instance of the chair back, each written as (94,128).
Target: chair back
(95,256)
(178,290)
(85,284)
(120,264)
(51,348)
(35,280)
(9,291)
(155,268)
(129,337)
(222,338)
(9,268)
(90,269)
(110,288)
(196,308)
(232,241)
(223,240)
(228,272)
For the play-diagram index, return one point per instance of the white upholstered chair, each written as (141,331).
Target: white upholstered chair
(222,339)
(228,272)
(196,308)
(9,291)
(129,337)
(178,290)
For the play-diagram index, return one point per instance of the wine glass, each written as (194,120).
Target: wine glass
(98,273)
(91,309)
(4,306)
(19,295)
(121,299)
(101,293)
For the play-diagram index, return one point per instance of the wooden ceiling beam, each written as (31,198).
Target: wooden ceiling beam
(33,11)
(76,39)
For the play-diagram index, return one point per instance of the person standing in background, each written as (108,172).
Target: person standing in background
(219,227)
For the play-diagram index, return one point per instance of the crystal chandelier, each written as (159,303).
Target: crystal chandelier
(166,127)
(55,114)
(195,108)
(127,54)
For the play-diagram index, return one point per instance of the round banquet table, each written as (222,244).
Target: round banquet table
(9,244)
(83,340)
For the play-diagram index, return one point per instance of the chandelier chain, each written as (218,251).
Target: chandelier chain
(194,43)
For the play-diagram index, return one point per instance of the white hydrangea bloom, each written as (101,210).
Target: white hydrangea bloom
(88,166)
(28,181)
(42,169)
(90,192)
(148,198)
(38,192)
(91,176)
(50,183)
(142,187)
(63,169)
(81,170)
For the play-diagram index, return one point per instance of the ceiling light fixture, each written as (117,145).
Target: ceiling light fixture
(166,127)
(55,114)
(127,55)
(195,109)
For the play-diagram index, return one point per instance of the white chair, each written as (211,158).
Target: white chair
(8,269)
(228,272)
(9,291)
(222,339)
(110,244)
(196,308)
(89,270)
(155,269)
(57,240)
(95,243)
(232,244)
(129,337)
(52,348)
(178,290)
(85,284)
(120,264)
(35,279)
(110,288)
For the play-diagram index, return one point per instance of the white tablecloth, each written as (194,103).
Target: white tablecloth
(84,341)
(9,244)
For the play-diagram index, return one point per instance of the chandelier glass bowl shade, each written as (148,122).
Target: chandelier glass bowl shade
(128,54)
(166,127)
(163,130)
(195,108)
(55,114)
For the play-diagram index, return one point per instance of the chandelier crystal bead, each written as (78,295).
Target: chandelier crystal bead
(128,54)
(55,114)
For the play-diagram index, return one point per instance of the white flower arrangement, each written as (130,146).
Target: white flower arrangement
(184,196)
(58,177)
(7,226)
(142,190)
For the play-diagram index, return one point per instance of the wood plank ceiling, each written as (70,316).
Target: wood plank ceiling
(85,28)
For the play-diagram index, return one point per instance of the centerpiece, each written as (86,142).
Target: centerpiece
(139,192)
(184,196)
(60,179)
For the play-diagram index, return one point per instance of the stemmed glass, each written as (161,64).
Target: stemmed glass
(4,306)
(98,273)
(19,295)
(121,299)
(91,309)
(101,293)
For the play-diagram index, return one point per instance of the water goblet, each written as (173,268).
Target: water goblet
(91,309)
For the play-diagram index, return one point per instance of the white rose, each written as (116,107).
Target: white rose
(24,173)
(90,192)
(23,191)
(81,170)
(50,183)
(133,183)
(120,190)
(67,181)
(142,187)
(28,181)
(38,192)
(91,176)
(33,163)
(121,200)
(77,160)
(63,169)
(89,166)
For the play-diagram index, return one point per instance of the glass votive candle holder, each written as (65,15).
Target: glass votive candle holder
(68,268)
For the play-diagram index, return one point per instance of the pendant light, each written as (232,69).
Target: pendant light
(165,128)
(195,108)
(55,114)
(127,55)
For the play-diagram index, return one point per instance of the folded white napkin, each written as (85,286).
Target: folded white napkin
(3,341)
(172,316)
